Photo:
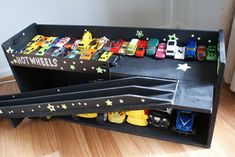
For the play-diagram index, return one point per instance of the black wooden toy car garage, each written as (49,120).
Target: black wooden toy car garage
(63,87)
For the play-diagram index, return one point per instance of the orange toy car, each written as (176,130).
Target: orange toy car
(86,54)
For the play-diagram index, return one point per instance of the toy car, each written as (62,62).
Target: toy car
(152,46)
(70,43)
(123,49)
(201,53)
(31,49)
(131,48)
(86,39)
(113,60)
(60,52)
(73,54)
(101,118)
(48,41)
(171,48)
(116,46)
(35,40)
(93,44)
(116,117)
(86,54)
(191,48)
(55,41)
(180,53)
(211,53)
(137,117)
(41,41)
(161,51)
(50,51)
(184,121)
(141,48)
(75,44)
(97,55)
(105,56)
(42,51)
(102,42)
(160,118)
(108,45)
(62,42)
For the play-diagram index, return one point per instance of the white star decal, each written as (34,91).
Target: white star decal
(99,70)
(51,107)
(1,112)
(10,50)
(72,67)
(139,34)
(109,103)
(173,37)
(64,106)
(183,67)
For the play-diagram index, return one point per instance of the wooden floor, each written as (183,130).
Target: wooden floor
(61,139)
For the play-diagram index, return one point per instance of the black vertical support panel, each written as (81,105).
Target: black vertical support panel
(217,88)
(18,42)
(16,121)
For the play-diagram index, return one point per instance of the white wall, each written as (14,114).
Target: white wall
(17,14)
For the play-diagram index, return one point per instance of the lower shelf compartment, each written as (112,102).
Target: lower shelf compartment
(198,139)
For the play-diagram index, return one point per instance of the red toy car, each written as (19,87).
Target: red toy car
(201,53)
(161,51)
(116,46)
(69,44)
(141,48)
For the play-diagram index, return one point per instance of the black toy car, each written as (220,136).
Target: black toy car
(160,118)
(113,60)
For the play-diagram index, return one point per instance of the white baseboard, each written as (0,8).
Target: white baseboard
(5,72)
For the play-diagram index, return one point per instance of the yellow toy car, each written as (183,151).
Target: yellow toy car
(84,43)
(132,46)
(48,41)
(87,115)
(35,40)
(93,44)
(105,56)
(116,117)
(30,49)
(86,54)
(137,117)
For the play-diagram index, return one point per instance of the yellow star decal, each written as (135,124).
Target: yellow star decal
(51,107)
(64,106)
(109,103)
(1,112)
(173,37)
(99,70)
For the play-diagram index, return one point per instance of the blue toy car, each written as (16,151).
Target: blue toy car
(184,121)
(191,49)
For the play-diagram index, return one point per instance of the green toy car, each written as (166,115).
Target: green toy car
(43,50)
(152,46)
(211,53)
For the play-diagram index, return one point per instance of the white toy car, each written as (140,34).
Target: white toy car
(171,48)
(180,53)
(62,42)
